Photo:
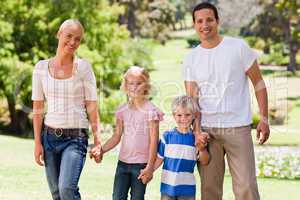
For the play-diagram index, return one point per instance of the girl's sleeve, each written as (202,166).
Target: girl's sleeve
(156,115)
(119,113)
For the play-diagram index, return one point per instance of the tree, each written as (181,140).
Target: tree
(280,22)
(27,34)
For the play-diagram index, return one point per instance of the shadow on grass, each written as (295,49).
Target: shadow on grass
(7,131)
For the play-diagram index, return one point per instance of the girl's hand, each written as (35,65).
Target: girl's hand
(146,175)
(39,154)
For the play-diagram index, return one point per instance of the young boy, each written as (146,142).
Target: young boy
(178,154)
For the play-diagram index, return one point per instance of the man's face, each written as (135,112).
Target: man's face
(206,25)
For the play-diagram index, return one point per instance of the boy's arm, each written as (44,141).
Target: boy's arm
(203,156)
(115,138)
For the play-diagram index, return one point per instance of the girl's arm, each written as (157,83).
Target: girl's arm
(115,138)
(154,132)
(158,163)
(38,110)
(147,173)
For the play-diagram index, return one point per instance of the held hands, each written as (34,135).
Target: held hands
(146,175)
(263,131)
(201,140)
(96,151)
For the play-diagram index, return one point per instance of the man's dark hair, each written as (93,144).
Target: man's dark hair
(206,5)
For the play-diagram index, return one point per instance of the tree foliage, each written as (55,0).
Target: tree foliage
(279,23)
(27,34)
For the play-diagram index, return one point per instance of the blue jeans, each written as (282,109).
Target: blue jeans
(64,160)
(125,178)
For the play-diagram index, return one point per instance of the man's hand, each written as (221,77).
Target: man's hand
(263,131)
(201,140)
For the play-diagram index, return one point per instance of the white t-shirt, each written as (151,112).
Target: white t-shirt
(220,74)
(65,97)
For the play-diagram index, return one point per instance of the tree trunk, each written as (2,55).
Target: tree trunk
(131,25)
(292,66)
(18,119)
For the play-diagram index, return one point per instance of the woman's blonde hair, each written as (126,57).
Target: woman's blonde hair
(140,72)
(70,22)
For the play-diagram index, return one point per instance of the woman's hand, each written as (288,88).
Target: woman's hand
(39,154)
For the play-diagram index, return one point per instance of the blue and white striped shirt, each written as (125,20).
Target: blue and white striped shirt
(179,154)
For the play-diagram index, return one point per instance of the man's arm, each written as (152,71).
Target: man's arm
(263,130)
(192,90)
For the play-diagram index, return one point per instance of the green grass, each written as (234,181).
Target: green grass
(21,178)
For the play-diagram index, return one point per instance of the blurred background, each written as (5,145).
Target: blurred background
(155,34)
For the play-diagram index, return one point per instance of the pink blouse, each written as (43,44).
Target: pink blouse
(136,132)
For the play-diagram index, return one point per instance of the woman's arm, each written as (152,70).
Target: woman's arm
(92,111)
(115,138)
(38,110)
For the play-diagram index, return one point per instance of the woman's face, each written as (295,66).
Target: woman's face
(69,38)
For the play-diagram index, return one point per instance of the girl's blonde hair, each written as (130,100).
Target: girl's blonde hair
(185,102)
(137,71)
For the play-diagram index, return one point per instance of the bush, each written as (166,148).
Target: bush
(255,120)
(193,41)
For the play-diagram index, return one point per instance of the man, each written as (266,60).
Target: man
(216,75)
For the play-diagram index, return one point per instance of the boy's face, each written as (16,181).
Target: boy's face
(183,117)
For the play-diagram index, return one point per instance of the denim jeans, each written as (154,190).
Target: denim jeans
(64,160)
(166,197)
(125,179)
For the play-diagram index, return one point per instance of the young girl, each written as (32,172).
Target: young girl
(137,123)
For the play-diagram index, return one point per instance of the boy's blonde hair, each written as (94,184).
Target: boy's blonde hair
(136,71)
(185,102)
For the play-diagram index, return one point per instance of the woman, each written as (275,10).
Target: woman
(68,86)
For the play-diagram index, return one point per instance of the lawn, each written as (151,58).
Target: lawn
(21,178)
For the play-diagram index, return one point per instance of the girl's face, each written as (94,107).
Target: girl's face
(135,85)
(183,117)
(69,39)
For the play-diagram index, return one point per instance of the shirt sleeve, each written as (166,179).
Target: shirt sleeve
(156,115)
(89,83)
(119,114)
(161,147)
(37,86)
(248,56)
(187,69)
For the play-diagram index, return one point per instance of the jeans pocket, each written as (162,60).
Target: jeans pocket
(82,144)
